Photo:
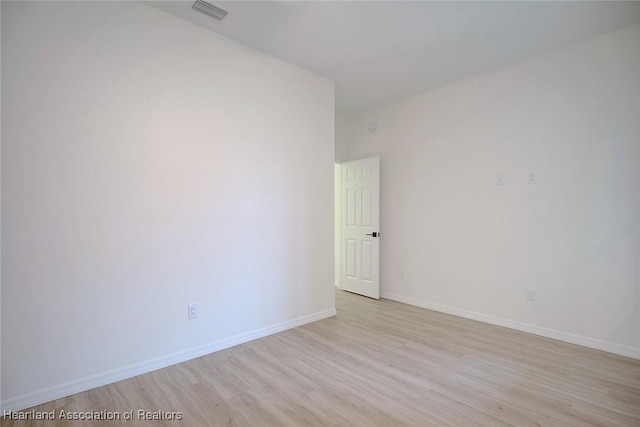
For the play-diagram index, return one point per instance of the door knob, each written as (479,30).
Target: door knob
(374,234)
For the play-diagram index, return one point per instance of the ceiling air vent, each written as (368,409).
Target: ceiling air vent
(209,9)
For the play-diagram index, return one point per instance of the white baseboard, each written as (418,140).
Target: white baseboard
(77,386)
(524,327)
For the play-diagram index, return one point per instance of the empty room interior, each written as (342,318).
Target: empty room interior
(343,213)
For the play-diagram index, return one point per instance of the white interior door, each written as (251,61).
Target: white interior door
(361,227)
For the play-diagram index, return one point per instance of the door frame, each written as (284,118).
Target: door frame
(337,221)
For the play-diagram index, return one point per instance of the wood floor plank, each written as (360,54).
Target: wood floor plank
(380,363)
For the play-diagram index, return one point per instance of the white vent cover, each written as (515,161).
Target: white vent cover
(209,9)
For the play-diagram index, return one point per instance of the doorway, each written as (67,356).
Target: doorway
(357,226)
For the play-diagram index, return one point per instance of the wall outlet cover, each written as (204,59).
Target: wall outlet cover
(192,311)
(531,294)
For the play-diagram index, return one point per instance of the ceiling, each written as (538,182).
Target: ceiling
(381,51)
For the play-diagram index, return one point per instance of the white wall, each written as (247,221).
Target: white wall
(0,211)
(470,247)
(341,147)
(342,138)
(337,220)
(148,164)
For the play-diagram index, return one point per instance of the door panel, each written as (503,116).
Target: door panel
(360,222)
(350,262)
(367,265)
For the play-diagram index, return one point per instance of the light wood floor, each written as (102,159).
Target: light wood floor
(382,363)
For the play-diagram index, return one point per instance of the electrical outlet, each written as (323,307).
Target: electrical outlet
(531,294)
(402,274)
(532,178)
(193,311)
(500,180)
